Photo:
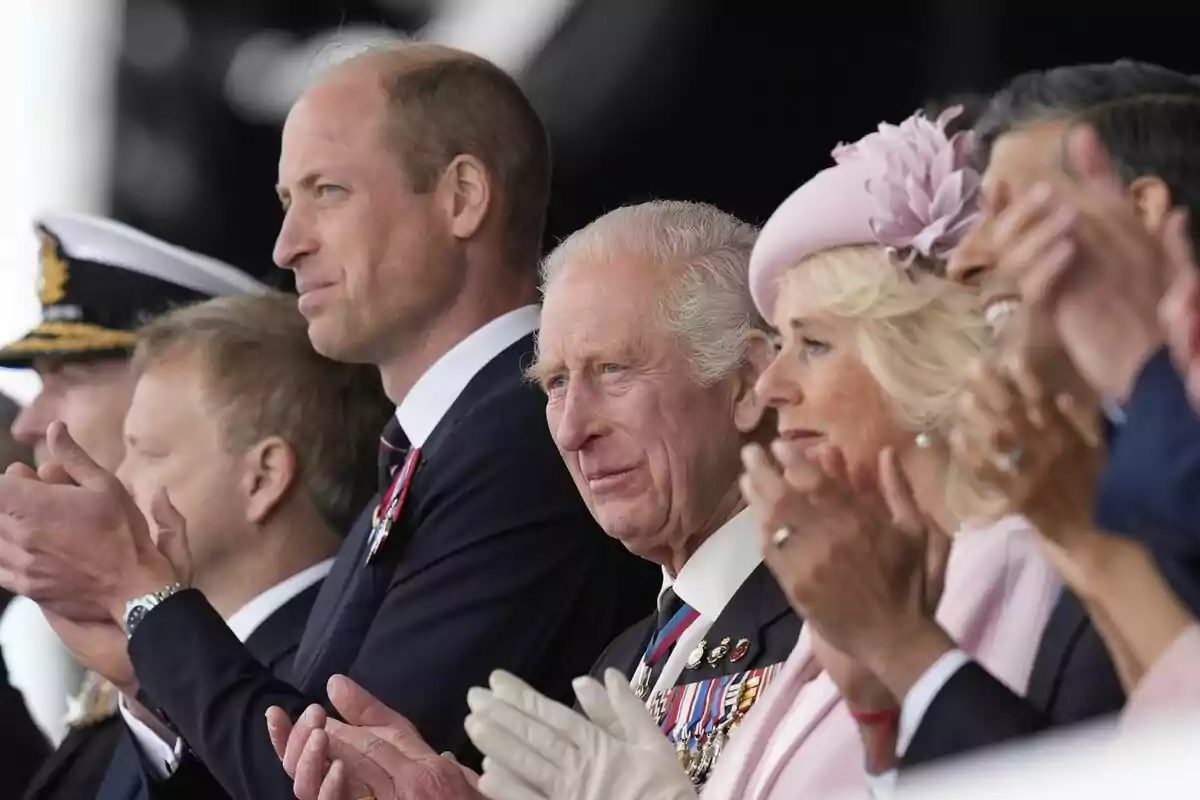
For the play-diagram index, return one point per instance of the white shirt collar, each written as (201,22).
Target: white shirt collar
(246,619)
(714,573)
(434,392)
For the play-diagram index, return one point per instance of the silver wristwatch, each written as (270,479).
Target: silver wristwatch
(137,608)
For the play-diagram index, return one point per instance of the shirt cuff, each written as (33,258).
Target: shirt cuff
(163,757)
(921,695)
(883,786)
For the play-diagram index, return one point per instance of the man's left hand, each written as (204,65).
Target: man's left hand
(81,549)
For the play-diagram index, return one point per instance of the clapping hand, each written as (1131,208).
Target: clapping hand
(376,753)
(537,749)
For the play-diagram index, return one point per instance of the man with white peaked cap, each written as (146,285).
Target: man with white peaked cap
(99,281)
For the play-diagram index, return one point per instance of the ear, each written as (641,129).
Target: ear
(1152,199)
(271,471)
(748,408)
(466,190)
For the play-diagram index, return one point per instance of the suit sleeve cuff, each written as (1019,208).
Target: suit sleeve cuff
(162,757)
(921,695)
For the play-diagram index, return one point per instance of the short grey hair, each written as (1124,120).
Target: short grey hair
(708,304)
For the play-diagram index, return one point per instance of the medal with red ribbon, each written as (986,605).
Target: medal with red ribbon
(660,645)
(392,502)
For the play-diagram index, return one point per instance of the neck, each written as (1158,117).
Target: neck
(476,306)
(676,554)
(283,547)
(925,469)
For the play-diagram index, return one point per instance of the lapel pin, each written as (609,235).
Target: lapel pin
(697,655)
(718,652)
(739,651)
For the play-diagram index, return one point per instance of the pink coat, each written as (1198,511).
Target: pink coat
(799,742)
(1172,684)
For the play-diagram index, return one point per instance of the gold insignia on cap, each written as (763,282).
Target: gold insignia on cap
(52,282)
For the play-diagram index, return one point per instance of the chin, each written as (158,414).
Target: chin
(332,340)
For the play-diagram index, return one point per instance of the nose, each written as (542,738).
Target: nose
(575,421)
(777,387)
(29,428)
(972,260)
(295,240)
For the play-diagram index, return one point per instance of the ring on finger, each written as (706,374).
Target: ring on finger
(1010,460)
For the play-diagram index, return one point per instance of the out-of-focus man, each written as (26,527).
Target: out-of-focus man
(98,280)
(267,451)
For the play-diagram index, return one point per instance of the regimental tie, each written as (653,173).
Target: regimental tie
(674,618)
(397,466)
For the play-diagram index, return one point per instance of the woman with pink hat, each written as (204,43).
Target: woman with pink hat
(875,348)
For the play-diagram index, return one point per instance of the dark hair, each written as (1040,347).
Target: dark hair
(446,103)
(1147,116)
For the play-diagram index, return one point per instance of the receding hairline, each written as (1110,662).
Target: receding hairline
(390,60)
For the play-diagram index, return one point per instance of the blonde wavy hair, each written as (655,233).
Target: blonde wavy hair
(917,334)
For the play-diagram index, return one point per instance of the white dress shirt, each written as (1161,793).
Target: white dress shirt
(707,582)
(434,392)
(164,756)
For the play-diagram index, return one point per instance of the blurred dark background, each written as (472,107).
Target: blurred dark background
(734,102)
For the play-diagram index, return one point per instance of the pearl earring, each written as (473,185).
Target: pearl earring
(924,441)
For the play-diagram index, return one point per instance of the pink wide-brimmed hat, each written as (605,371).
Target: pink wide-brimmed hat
(907,187)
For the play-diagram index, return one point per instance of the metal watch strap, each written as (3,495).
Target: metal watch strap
(137,608)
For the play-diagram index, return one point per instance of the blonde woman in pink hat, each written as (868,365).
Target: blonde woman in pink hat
(875,347)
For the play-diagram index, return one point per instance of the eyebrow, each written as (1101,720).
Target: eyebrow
(308,182)
(540,370)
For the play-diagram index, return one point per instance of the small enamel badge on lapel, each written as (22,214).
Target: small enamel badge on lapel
(697,655)
(717,653)
(392,503)
(739,651)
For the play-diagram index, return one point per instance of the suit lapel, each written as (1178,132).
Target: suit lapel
(344,609)
(275,641)
(1067,621)
(736,641)
(332,595)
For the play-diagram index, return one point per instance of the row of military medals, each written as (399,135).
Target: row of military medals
(705,713)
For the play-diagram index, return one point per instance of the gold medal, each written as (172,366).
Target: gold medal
(697,655)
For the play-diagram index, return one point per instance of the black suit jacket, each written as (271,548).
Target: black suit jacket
(1072,680)
(495,563)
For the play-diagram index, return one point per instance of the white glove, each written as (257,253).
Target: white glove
(537,749)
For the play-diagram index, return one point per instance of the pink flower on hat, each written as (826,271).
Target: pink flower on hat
(926,194)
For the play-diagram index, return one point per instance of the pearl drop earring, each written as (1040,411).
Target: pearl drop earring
(924,441)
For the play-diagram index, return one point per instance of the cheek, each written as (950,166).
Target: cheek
(861,421)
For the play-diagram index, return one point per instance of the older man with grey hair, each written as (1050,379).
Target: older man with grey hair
(648,353)
(648,358)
